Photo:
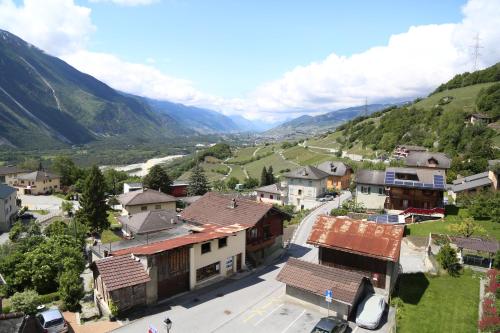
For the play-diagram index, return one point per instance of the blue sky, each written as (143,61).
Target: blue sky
(227,48)
(265,60)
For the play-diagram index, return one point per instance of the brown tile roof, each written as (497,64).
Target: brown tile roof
(120,272)
(214,208)
(318,278)
(171,243)
(143,197)
(382,241)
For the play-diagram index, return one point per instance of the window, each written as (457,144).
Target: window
(267,232)
(310,183)
(222,242)
(205,248)
(253,233)
(143,208)
(271,196)
(262,195)
(278,197)
(380,190)
(366,189)
(300,192)
(157,206)
(207,271)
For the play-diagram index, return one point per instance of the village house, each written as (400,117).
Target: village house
(166,268)
(410,188)
(262,221)
(9,173)
(274,194)
(365,247)
(305,186)
(8,207)
(370,189)
(494,172)
(339,175)
(179,188)
(36,183)
(307,282)
(428,160)
(146,200)
(479,118)
(472,184)
(402,151)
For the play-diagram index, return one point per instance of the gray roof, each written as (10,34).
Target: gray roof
(38,176)
(334,168)
(307,172)
(273,188)
(424,175)
(372,177)
(149,221)
(143,197)
(10,169)
(421,159)
(476,244)
(481,116)
(6,191)
(412,148)
(133,184)
(471,182)
(492,163)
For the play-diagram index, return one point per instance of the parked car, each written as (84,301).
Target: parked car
(370,311)
(330,325)
(27,216)
(329,197)
(52,321)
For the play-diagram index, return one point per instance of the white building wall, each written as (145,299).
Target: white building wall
(373,199)
(8,211)
(226,257)
(303,192)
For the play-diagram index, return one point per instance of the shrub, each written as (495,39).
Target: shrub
(113,308)
(447,258)
(48,298)
(339,212)
(25,301)
(6,309)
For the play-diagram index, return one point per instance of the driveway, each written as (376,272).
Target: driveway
(41,202)
(255,303)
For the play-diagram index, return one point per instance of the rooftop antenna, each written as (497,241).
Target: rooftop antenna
(476,54)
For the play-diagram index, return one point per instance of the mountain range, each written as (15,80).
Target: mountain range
(306,125)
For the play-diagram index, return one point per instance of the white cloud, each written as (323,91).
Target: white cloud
(411,64)
(128,2)
(55,26)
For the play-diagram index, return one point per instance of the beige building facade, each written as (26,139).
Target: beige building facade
(35,183)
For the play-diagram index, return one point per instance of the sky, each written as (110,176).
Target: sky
(265,60)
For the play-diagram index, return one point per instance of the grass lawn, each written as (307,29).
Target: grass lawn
(112,218)
(40,211)
(492,229)
(237,172)
(254,169)
(243,154)
(109,236)
(437,304)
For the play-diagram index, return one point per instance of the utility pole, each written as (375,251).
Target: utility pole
(476,47)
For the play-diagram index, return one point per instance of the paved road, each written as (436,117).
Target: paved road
(41,202)
(255,303)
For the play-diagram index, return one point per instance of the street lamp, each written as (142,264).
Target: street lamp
(168,324)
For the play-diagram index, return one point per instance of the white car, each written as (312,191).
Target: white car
(370,311)
(52,321)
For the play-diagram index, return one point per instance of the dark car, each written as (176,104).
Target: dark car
(27,216)
(330,325)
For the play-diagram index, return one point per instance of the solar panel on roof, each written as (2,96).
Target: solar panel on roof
(389,177)
(399,182)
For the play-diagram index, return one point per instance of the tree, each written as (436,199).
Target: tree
(93,206)
(467,227)
(157,179)
(198,183)
(57,227)
(67,207)
(67,169)
(25,301)
(71,289)
(496,263)
(264,177)
(270,175)
(251,183)
(219,185)
(232,182)
(447,258)
(114,180)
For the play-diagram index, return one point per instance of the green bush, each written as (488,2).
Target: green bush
(71,289)
(339,212)
(48,298)
(25,301)
(447,258)
(113,308)
(6,309)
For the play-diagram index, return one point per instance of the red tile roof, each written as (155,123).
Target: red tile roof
(215,208)
(172,243)
(120,272)
(318,278)
(381,241)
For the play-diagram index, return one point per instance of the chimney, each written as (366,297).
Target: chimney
(233,203)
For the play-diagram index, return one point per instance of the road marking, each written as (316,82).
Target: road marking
(293,322)
(270,313)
